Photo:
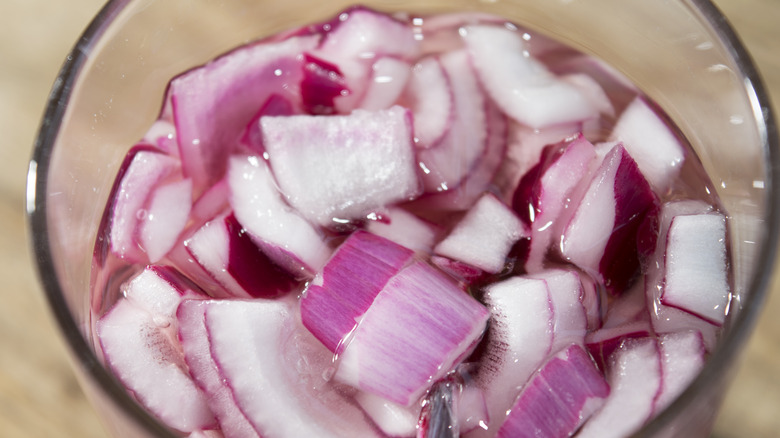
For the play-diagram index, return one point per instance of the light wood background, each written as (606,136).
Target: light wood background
(39,396)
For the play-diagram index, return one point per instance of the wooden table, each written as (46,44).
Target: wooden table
(39,396)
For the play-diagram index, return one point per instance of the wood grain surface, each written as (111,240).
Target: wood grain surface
(39,395)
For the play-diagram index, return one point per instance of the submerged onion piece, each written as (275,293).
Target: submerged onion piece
(548,193)
(405,229)
(213,104)
(226,251)
(286,237)
(682,357)
(393,419)
(565,392)
(139,342)
(431,101)
(342,292)
(650,141)
(634,377)
(197,355)
(143,168)
(484,237)
(341,168)
(354,40)
(417,329)
(259,350)
(663,317)
(601,236)
(166,216)
(569,322)
(388,79)
(696,267)
(519,341)
(450,160)
(520,84)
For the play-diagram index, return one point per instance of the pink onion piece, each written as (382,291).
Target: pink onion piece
(480,178)
(417,329)
(389,76)
(445,164)
(569,317)
(354,40)
(565,392)
(601,236)
(224,249)
(342,292)
(322,83)
(405,229)
(143,169)
(682,357)
(605,341)
(166,216)
(548,192)
(213,104)
(196,346)
(276,105)
(523,150)
(159,290)
(665,318)
(146,358)
(429,93)
(138,337)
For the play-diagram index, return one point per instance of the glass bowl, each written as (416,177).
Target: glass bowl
(683,54)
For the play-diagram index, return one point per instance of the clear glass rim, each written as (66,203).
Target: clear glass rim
(741,327)
(37,216)
(87,360)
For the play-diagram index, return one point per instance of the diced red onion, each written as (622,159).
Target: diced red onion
(274,371)
(656,149)
(388,79)
(601,236)
(696,272)
(417,329)
(341,168)
(143,168)
(445,164)
(565,392)
(143,352)
(519,340)
(634,377)
(213,104)
(521,85)
(196,346)
(342,292)
(286,237)
(484,237)
(166,215)
(431,101)
(227,252)
(405,229)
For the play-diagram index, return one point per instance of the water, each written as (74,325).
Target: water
(465,145)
